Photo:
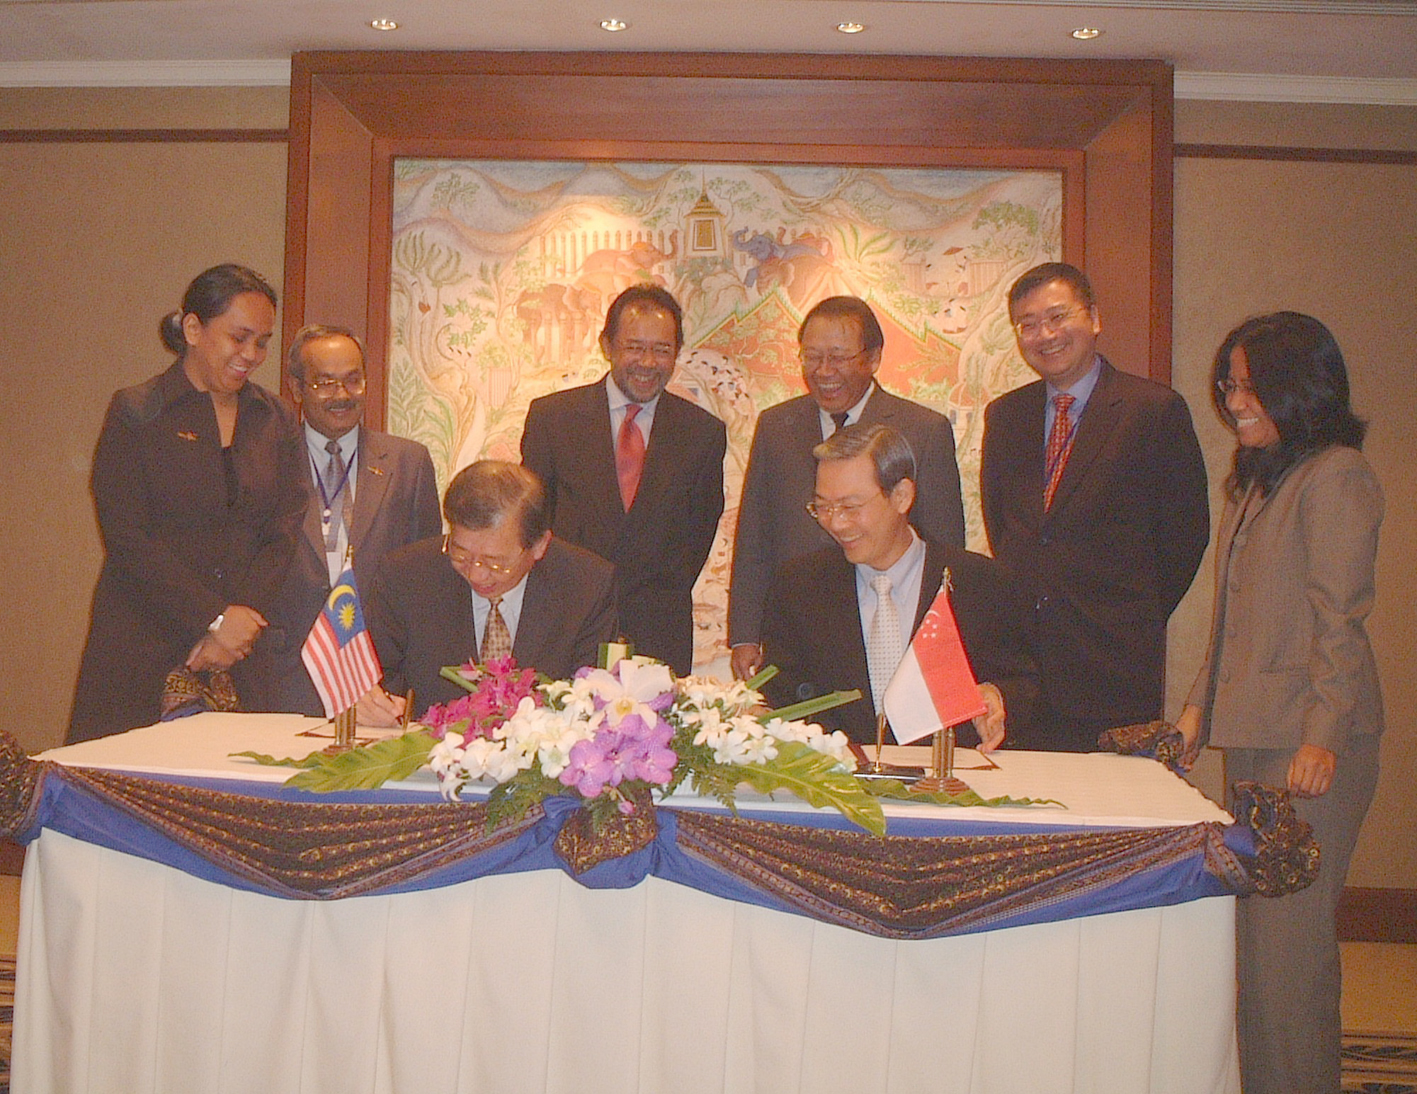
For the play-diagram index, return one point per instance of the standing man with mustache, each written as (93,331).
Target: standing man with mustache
(367,492)
(634,473)
(1094,495)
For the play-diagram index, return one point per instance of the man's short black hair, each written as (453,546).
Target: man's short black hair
(1052,271)
(485,493)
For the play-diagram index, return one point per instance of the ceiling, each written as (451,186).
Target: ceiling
(1298,50)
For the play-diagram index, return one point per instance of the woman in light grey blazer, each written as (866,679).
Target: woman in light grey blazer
(1289,688)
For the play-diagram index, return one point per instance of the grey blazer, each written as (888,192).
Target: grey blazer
(1289,661)
(395,504)
(773,523)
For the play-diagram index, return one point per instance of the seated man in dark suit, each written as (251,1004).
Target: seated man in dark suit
(842,617)
(498,583)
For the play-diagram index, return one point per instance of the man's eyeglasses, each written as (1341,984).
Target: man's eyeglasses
(660,351)
(824,511)
(835,360)
(463,560)
(1051,320)
(354,385)
(1227,387)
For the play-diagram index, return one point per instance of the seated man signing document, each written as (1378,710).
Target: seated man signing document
(498,583)
(842,617)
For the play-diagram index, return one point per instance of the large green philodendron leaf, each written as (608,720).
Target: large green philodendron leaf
(813,777)
(899,791)
(362,768)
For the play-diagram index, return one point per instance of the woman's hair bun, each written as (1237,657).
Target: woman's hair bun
(169,329)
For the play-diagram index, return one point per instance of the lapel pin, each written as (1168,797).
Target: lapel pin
(186,434)
(376,470)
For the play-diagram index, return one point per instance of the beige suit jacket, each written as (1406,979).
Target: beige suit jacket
(1289,661)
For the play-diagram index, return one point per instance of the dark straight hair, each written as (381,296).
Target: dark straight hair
(1299,377)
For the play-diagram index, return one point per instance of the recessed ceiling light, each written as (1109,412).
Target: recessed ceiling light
(383,24)
(614,26)
(851,28)
(1086,34)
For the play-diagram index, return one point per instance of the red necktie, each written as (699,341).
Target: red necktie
(1060,444)
(629,456)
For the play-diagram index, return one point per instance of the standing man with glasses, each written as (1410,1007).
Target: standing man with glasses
(1094,495)
(498,584)
(842,617)
(367,493)
(839,344)
(634,473)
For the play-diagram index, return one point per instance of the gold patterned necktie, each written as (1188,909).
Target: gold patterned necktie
(496,639)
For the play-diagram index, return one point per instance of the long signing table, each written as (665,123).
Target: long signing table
(722,957)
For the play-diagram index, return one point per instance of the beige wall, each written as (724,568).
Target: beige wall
(1333,240)
(100,239)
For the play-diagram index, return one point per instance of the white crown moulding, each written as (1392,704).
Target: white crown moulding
(1237,86)
(1259,87)
(145,73)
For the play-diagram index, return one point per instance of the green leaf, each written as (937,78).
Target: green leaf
(509,802)
(899,791)
(270,761)
(764,674)
(450,672)
(813,776)
(808,708)
(366,767)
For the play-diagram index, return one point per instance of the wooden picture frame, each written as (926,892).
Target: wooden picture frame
(1106,125)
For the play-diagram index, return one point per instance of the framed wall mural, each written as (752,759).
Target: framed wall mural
(501,272)
(472,214)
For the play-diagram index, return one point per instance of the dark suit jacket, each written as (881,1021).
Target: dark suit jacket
(395,504)
(660,545)
(1105,567)
(176,554)
(420,614)
(812,633)
(773,523)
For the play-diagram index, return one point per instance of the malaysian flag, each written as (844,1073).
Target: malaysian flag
(339,653)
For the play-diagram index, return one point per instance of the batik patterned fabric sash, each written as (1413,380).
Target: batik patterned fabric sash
(298,846)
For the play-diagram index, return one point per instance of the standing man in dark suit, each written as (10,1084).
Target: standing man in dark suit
(498,583)
(840,343)
(842,617)
(1094,495)
(367,494)
(635,473)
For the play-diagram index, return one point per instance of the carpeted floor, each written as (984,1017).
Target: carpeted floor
(7,1018)
(1380,1063)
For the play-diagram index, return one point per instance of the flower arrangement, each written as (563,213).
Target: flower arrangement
(610,736)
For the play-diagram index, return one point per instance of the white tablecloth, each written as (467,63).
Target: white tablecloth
(135,977)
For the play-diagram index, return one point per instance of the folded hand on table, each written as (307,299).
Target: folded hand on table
(990,724)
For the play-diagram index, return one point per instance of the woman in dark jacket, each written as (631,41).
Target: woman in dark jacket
(197,484)
(1290,689)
